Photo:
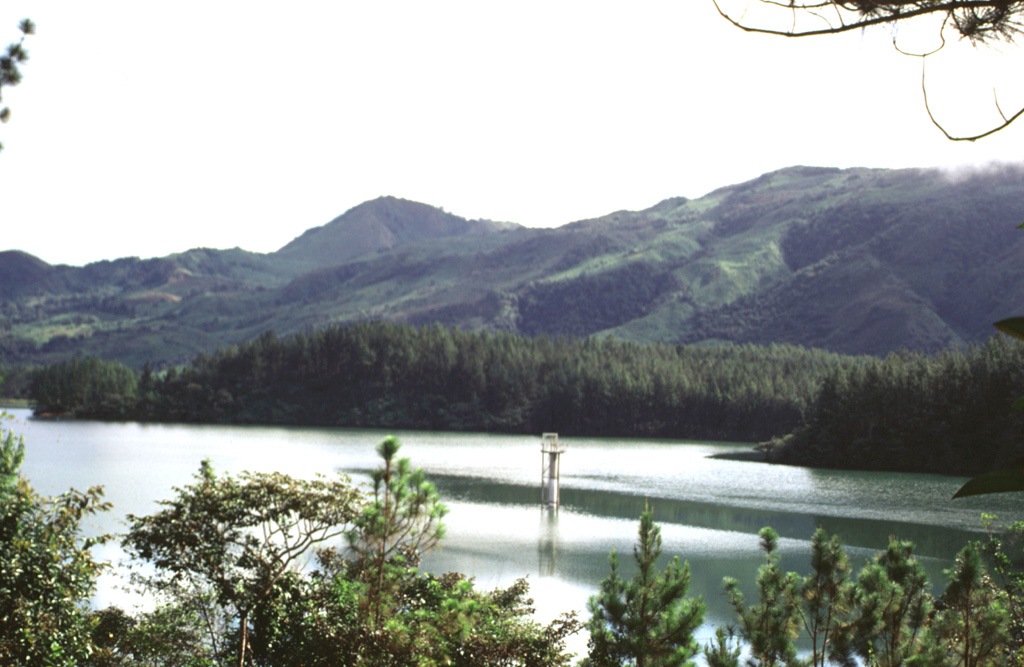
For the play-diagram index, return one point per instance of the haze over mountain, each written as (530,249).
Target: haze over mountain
(856,260)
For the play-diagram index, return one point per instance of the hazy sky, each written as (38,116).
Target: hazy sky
(149,128)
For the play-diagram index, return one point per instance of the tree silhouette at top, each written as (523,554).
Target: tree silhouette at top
(979,21)
(10,61)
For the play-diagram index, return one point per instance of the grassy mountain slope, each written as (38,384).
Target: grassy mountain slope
(857,261)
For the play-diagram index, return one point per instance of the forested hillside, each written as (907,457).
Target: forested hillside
(856,261)
(951,413)
(399,376)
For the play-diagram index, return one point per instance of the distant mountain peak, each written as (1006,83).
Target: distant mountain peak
(19,271)
(11,259)
(379,224)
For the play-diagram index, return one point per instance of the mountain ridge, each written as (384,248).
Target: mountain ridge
(853,260)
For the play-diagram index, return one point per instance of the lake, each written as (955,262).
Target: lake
(709,509)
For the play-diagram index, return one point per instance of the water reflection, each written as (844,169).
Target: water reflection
(873,534)
(709,509)
(547,542)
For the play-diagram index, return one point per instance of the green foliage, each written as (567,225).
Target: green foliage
(85,387)
(398,376)
(224,565)
(171,635)
(887,618)
(47,572)
(893,608)
(646,621)
(15,382)
(224,546)
(226,555)
(383,611)
(591,303)
(400,522)
(770,626)
(12,453)
(1003,551)
(441,620)
(826,596)
(973,621)
(916,413)
(725,651)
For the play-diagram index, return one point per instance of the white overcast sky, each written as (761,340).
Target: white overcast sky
(144,128)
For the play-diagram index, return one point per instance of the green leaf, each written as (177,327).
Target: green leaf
(1013,326)
(997,481)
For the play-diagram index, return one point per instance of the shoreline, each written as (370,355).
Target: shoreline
(743,455)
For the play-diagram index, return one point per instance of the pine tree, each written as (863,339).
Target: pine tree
(893,607)
(770,626)
(827,595)
(401,522)
(647,621)
(973,623)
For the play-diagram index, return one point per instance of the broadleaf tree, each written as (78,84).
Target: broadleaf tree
(233,541)
(47,569)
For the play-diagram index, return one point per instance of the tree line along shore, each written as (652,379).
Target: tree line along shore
(222,562)
(948,413)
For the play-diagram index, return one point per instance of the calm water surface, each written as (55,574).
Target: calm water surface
(709,509)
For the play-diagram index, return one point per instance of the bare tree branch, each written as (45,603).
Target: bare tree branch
(976,20)
(974,137)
